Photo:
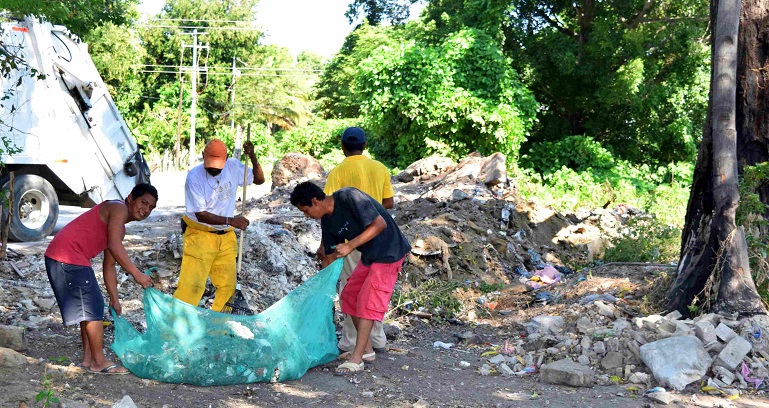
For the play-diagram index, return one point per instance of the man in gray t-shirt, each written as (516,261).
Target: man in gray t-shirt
(352,215)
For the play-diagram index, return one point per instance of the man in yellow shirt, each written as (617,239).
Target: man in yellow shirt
(373,178)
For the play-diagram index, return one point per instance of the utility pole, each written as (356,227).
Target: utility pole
(195,69)
(232,89)
(194,107)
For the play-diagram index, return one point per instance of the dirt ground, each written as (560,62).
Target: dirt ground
(413,373)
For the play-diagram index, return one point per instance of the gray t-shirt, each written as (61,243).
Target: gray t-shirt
(355,210)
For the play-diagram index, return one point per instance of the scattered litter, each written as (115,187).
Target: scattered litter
(440,344)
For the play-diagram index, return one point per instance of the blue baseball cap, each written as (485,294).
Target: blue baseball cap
(354,135)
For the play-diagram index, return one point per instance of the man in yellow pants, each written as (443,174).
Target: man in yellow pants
(373,178)
(210,244)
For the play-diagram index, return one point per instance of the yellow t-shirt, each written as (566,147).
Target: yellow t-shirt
(363,173)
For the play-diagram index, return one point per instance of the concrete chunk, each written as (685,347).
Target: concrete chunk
(13,337)
(731,356)
(725,333)
(676,361)
(569,373)
(10,358)
(705,332)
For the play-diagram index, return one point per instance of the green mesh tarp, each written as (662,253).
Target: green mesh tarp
(191,345)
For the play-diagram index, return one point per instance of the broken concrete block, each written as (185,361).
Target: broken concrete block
(606,310)
(639,378)
(126,402)
(613,359)
(11,358)
(733,353)
(676,361)
(661,397)
(494,170)
(674,315)
(725,333)
(705,332)
(599,347)
(724,375)
(584,360)
(13,337)
(567,372)
(545,324)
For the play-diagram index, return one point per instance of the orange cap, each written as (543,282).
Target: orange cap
(215,154)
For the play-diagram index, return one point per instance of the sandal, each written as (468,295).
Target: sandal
(367,358)
(109,370)
(348,368)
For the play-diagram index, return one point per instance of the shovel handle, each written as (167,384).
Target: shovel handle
(243,204)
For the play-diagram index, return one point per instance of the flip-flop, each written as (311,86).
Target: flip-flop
(106,370)
(367,358)
(348,368)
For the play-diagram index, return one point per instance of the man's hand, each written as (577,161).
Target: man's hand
(343,250)
(240,222)
(144,280)
(248,148)
(327,260)
(115,304)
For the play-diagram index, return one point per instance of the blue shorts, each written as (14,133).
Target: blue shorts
(77,292)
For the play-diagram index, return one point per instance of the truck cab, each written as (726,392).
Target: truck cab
(60,131)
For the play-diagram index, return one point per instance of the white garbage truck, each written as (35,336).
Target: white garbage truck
(61,133)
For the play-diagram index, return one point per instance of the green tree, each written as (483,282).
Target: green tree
(79,16)
(630,73)
(118,54)
(451,98)
(336,92)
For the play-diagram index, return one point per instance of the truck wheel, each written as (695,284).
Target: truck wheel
(36,208)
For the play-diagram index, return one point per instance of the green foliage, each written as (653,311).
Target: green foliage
(661,190)
(61,360)
(645,240)
(436,296)
(316,139)
(486,288)
(578,153)
(751,214)
(336,91)
(633,74)
(80,16)
(117,54)
(450,99)
(47,395)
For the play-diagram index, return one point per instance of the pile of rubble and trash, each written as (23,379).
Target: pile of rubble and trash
(468,225)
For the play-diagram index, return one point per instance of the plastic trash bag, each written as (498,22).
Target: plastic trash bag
(192,345)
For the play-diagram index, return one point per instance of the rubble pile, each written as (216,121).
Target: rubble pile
(597,343)
(468,225)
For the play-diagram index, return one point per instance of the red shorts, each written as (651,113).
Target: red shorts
(368,290)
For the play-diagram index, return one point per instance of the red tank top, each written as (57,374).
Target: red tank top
(80,240)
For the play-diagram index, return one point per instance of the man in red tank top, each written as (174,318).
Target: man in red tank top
(68,263)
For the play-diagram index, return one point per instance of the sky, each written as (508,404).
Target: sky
(315,25)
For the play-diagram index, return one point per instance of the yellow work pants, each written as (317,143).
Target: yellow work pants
(207,254)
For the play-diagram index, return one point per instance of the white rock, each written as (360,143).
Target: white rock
(676,361)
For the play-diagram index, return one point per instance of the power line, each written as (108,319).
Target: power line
(200,20)
(223,73)
(205,28)
(239,69)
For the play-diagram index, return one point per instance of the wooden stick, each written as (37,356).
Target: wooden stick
(243,205)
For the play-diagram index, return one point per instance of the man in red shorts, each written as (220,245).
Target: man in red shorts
(352,215)
(68,263)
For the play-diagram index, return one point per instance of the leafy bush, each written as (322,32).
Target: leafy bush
(646,240)
(449,99)
(662,191)
(578,153)
(316,139)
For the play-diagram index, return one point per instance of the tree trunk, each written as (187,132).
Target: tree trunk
(714,272)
